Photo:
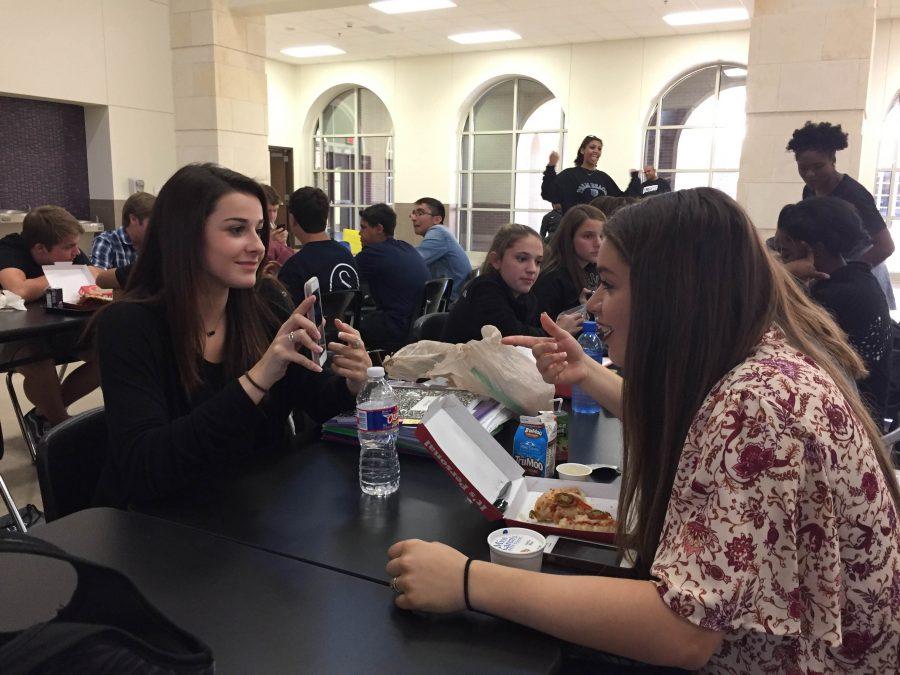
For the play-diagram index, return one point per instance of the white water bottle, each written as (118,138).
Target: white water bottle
(377,426)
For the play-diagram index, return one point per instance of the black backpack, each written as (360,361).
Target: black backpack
(107,627)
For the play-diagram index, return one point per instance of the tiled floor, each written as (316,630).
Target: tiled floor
(16,468)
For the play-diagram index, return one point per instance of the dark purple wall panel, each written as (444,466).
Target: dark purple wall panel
(43,156)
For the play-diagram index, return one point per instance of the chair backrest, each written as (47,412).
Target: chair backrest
(343,305)
(70,458)
(436,295)
(429,326)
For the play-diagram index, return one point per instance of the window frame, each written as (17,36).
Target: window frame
(657,128)
(467,135)
(320,173)
(893,175)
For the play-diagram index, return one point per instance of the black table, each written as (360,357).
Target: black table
(308,504)
(47,335)
(265,613)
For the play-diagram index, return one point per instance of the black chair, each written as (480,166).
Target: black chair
(70,458)
(429,326)
(343,305)
(436,296)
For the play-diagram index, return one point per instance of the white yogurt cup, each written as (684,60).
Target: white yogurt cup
(574,471)
(517,547)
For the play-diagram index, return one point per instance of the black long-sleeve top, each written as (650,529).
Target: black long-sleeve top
(576,185)
(488,301)
(160,441)
(555,291)
(855,300)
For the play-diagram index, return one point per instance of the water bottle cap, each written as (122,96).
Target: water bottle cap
(374,371)
(589,327)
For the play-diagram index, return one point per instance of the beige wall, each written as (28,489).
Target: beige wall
(113,57)
(605,88)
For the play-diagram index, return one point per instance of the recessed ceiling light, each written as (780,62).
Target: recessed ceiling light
(312,50)
(723,15)
(735,72)
(485,36)
(404,6)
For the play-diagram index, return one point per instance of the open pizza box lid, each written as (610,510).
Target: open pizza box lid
(69,277)
(483,469)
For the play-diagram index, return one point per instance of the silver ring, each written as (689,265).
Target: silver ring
(394,586)
(357,344)
(291,336)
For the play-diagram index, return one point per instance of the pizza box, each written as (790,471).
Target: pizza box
(491,479)
(69,277)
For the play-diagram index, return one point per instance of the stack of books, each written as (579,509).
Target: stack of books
(413,400)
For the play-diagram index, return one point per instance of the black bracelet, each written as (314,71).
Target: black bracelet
(250,380)
(466,584)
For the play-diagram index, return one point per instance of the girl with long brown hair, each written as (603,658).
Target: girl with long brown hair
(571,263)
(501,295)
(758,504)
(196,370)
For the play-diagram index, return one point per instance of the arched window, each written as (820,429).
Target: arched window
(696,128)
(508,134)
(887,190)
(353,155)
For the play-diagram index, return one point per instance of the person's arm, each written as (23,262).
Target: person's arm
(561,360)
(108,279)
(13,279)
(432,247)
(612,188)
(102,253)
(882,248)
(549,186)
(634,185)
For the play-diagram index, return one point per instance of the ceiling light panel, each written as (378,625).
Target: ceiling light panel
(483,36)
(705,16)
(312,50)
(406,6)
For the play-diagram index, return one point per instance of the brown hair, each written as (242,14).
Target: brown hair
(579,158)
(272,196)
(166,274)
(561,253)
(139,205)
(48,225)
(703,292)
(506,237)
(612,205)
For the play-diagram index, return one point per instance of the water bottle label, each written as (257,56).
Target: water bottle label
(379,419)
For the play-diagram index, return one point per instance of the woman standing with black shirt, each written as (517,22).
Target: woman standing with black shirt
(571,264)
(815,147)
(581,183)
(195,369)
(822,231)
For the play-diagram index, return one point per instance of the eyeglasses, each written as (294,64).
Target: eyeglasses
(422,212)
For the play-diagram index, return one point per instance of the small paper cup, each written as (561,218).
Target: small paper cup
(517,547)
(574,471)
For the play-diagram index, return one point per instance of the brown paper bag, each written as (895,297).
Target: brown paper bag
(502,372)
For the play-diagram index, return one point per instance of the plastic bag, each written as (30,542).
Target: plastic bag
(9,300)
(505,373)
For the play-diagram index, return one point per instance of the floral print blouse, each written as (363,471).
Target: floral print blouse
(781,531)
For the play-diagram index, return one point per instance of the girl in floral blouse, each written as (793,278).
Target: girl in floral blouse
(757,496)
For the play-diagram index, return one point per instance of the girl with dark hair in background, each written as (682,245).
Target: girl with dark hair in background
(581,183)
(814,237)
(571,263)
(756,495)
(815,147)
(501,295)
(196,370)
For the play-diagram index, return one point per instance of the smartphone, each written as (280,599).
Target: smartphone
(587,556)
(317,316)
